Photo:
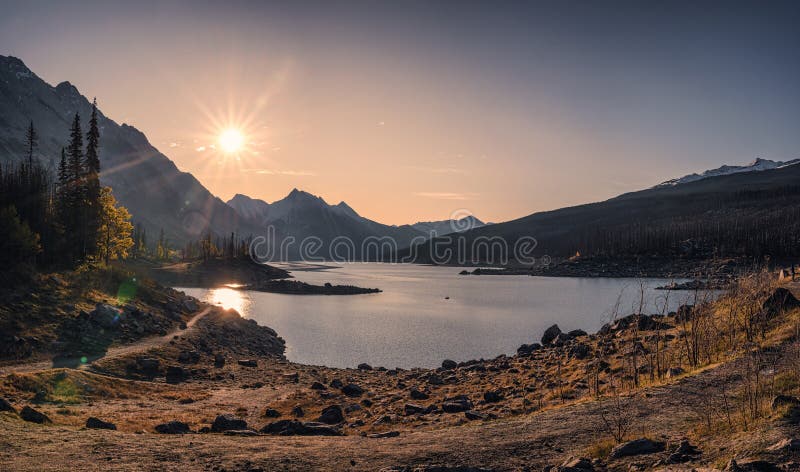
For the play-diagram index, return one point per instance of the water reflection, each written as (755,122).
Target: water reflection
(228,298)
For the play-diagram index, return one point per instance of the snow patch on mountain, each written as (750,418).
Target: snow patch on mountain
(758,165)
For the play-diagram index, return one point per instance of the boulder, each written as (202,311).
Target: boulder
(248,362)
(173,427)
(318,386)
(336,383)
(6,406)
(33,416)
(175,374)
(352,390)
(528,349)
(331,415)
(685,452)
(493,396)
(387,434)
(298,428)
(780,300)
(227,423)
(781,401)
(148,366)
(636,447)
(434,379)
(364,366)
(550,334)
(413,409)
(96,423)
(104,315)
(475,415)
(448,364)
(456,404)
(189,357)
(219,361)
(418,395)
(298,412)
(190,305)
(579,351)
(577,333)
(788,444)
(272,413)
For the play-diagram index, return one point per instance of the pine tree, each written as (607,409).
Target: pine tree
(75,218)
(92,182)
(32,141)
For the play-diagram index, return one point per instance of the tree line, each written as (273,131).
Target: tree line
(62,220)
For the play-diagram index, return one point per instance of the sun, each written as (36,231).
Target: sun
(231,140)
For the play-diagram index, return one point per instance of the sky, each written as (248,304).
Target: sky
(412,111)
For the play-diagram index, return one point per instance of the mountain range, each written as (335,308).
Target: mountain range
(757,165)
(302,215)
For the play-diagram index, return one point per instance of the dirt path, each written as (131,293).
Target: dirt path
(113,352)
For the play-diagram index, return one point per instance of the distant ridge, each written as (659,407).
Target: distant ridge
(757,165)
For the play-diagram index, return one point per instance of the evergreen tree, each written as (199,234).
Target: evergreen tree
(32,141)
(92,182)
(76,214)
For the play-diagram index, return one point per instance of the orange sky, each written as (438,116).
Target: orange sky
(411,111)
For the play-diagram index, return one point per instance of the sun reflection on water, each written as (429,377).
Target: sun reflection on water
(230,298)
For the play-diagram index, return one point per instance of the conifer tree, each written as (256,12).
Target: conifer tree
(92,182)
(75,218)
(32,141)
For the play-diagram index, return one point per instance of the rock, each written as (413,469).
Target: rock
(574,463)
(298,412)
(364,366)
(434,379)
(636,447)
(413,409)
(95,423)
(106,316)
(175,374)
(271,413)
(292,377)
(788,444)
(528,349)
(148,366)
(780,401)
(550,334)
(331,415)
(240,432)
(318,386)
(336,383)
(673,372)
(577,333)
(219,361)
(387,434)
(297,428)
(190,305)
(448,364)
(248,362)
(493,396)
(173,427)
(33,416)
(475,415)
(579,351)
(189,357)
(683,453)
(6,406)
(780,300)
(352,390)
(418,395)
(751,466)
(228,422)
(456,404)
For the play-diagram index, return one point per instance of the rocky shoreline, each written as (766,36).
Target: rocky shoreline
(295,287)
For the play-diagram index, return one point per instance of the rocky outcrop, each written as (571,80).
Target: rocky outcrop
(550,334)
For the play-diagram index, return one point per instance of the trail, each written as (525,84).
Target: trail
(139,346)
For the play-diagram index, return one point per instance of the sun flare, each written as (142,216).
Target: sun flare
(231,140)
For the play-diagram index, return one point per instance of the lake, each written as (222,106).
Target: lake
(427,314)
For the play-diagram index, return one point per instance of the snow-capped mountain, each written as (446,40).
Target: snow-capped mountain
(756,166)
(441,228)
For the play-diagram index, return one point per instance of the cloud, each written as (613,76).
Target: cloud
(446,195)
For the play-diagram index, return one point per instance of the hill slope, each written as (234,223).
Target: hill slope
(741,214)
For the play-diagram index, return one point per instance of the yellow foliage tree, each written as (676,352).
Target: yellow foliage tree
(115,228)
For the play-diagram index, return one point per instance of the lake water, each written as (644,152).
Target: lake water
(413,323)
